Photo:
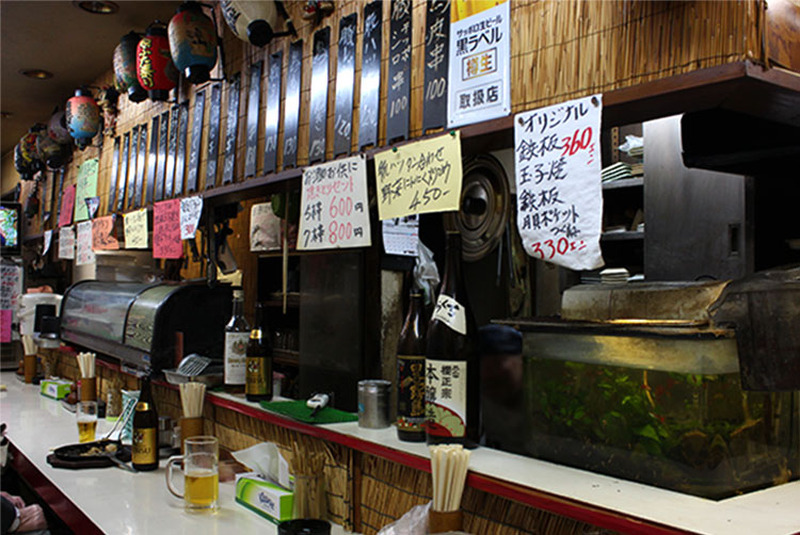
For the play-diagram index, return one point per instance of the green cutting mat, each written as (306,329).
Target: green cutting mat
(299,411)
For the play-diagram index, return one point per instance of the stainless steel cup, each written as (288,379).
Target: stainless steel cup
(373,403)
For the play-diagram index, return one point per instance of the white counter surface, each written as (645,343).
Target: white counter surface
(117,501)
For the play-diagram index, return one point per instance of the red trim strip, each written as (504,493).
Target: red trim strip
(75,519)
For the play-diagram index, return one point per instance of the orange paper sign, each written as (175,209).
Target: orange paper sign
(103,234)
(167,229)
(67,206)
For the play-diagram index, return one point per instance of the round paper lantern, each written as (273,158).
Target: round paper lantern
(125,68)
(154,66)
(83,118)
(254,22)
(57,128)
(193,42)
(52,153)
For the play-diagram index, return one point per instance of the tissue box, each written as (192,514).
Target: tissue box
(269,500)
(55,388)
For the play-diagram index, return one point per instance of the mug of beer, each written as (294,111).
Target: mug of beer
(200,475)
(86,413)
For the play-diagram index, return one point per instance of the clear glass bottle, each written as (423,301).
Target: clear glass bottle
(452,373)
(411,372)
(258,385)
(237,335)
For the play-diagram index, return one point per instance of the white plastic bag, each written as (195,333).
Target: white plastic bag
(414,522)
(426,274)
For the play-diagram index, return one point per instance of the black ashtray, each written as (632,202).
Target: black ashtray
(304,526)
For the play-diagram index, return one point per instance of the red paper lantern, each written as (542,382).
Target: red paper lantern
(154,67)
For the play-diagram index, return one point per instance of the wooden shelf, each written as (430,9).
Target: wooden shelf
(286,356)
(622,236)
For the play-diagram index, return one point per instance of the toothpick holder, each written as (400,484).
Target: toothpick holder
(442,522)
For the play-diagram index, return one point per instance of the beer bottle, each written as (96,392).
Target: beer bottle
(452,374)
(144,453)
(259,361)
(237,332)
(411,372)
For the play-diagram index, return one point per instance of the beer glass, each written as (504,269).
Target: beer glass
(200,474)
(86,413)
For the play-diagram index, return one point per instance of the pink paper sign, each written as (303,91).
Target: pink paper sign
(67,206)
(103,234)
(167,229)
(5,325)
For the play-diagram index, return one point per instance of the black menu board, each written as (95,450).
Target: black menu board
(197,136)
(254,92)
(132,167)
(273,115)
(172,148)
(292,104)
(180,159)
(317,122)
(437,39)
(213,135)
(141,158)
(161,164)
(398,103)
(150,179)
(57,197)
(232,129)
(112,180)
(345,76)
(369,102)
(123,173)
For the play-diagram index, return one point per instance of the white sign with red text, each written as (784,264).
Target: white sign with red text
(334,211)
(559,191)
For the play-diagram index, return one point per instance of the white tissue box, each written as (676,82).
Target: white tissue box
(266,498)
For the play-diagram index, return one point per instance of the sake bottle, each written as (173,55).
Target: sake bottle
(452,373)
(411,372)
(144,452)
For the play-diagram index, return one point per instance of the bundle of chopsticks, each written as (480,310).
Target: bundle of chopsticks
(192,395)
(449,463)
(28,345)
(86,364)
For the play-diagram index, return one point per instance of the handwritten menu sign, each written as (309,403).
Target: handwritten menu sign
(253,95)
(399,71)
(265,228)
(334,210)
(319,96)
(197,135)
(86,188)
(232,129)
(85,254)
(180,158)
(437,35)
(67,206)
(161,164)
(191,208)
(66,243)
(213,135)
(273,115)
(480,62)
(132,163)
(10,290)
(6,319)
(112,180)
(141,156)
(291,105)
(167,229)
(419,177)
(559,194)
(103,238)
(59,188)
(150,179)
(135,225)
(123,172)
(370,75)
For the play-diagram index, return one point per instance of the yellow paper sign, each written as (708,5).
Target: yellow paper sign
(420,177)
(136,229)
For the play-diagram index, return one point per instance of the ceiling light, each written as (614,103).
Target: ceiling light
(97,7)
(38,74)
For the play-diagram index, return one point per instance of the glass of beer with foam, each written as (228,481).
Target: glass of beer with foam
(200,475)
(86,413)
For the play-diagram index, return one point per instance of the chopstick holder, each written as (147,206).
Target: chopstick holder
(442,522)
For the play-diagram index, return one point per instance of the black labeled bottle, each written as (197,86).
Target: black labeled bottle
(258,384)
(452,373)
(144,452)
(411,372)
(237,335)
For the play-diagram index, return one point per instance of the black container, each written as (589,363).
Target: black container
(304,526)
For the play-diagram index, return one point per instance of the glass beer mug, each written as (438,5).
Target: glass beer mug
(200,474)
